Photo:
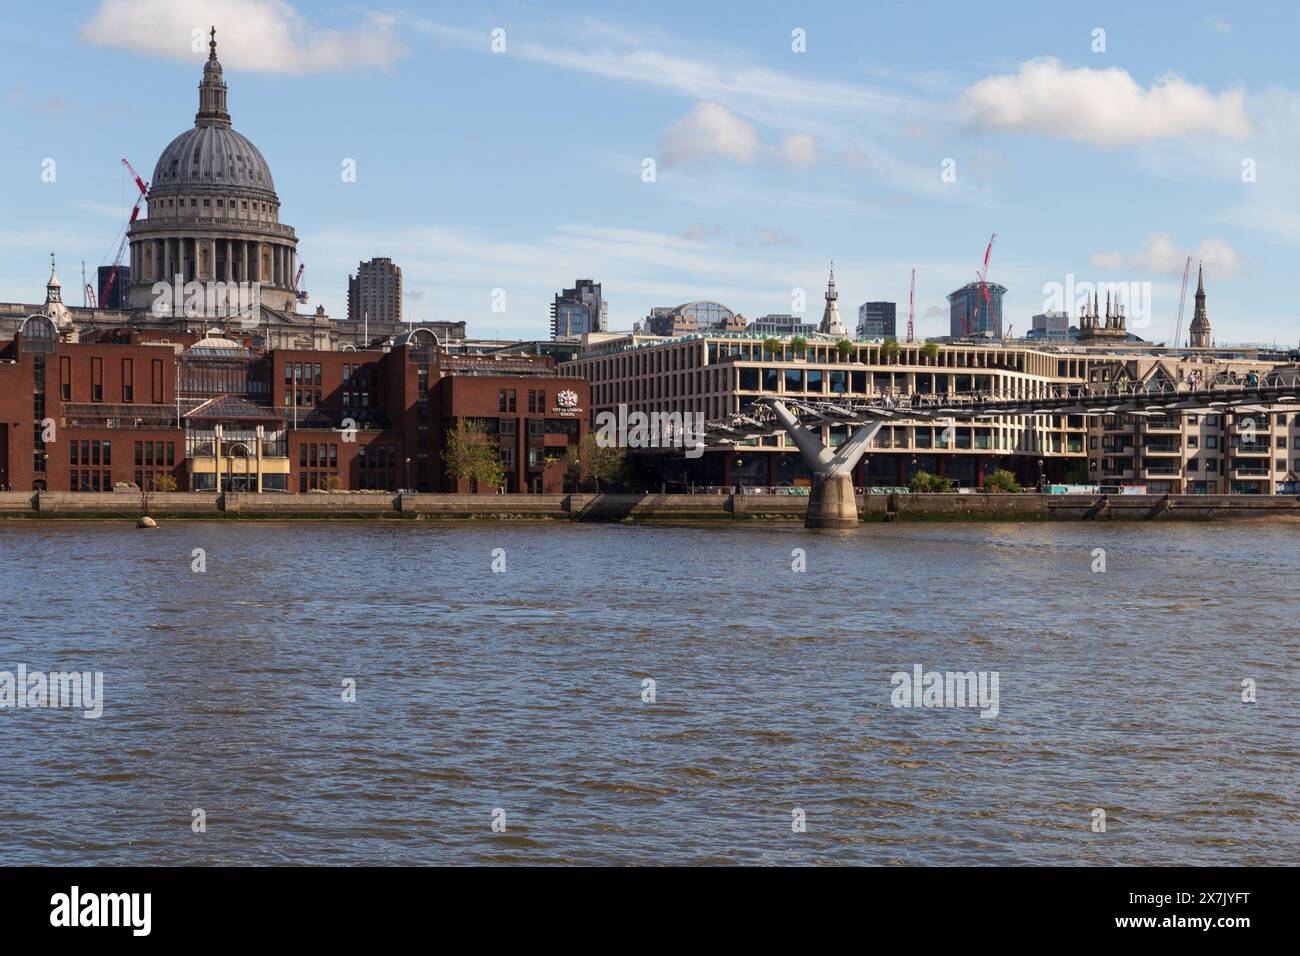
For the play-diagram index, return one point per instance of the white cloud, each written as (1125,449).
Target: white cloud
(1218,24)
(1161,254)
(774,237)
(798,149)
(1103,107)
(254,35)
(709,130)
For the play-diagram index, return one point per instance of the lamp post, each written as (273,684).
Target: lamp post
(408,474)
(740,488)
(1041,486)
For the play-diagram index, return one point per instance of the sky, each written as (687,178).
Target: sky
(680,151)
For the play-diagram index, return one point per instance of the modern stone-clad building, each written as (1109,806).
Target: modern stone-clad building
(716,375)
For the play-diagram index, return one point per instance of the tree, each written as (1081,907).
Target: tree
(1076,473)
(590,463)
(923,482)
(930,350)
(158,481)
(471,455)
(799,345)
(890,350)
(845,348)
(1002,482)
(773,346)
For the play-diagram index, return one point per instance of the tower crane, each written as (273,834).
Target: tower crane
(126,232)
(911,307)
(300,296)
(984,291)
(1182,300)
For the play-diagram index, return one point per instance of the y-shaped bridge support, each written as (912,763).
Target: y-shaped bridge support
(832,503)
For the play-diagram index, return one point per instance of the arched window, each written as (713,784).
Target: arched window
(39,334)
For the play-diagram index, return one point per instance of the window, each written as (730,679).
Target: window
(128,380)
(96,380)
(1211,441)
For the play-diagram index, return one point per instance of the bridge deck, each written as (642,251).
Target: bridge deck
(761,421)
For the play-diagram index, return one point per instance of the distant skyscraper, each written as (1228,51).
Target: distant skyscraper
(579,310)
(375,292)
(116,297)
(969,313)
(877,319)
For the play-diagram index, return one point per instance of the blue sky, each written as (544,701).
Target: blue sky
(523,169)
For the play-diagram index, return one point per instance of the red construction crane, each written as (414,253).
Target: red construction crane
(301,296)
(911,307)
(983,274)
(1182,300)
(90,295)
(126,232)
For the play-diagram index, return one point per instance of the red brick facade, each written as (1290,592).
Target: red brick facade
(346,420)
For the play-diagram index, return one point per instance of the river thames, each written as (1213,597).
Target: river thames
(523,697)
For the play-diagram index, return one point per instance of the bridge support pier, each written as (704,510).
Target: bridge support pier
(833,503)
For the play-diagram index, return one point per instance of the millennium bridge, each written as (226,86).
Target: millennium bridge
(832,503)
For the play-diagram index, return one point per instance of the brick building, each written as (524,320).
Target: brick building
(215,413)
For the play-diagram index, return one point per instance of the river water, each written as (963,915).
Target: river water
(518,697)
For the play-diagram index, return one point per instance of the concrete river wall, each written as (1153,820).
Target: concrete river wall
(639,507)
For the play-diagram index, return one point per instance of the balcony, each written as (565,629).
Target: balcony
(1163,425)
(1161,471)
(1162,448)
(1259,448)
(1250,472)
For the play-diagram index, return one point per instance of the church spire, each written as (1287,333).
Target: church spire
(53,288)
(212,91)
(832,324)
(1200,328)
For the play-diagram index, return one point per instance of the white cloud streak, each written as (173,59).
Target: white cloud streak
(269,36)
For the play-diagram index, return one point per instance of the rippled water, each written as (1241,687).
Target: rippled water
(522,691)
